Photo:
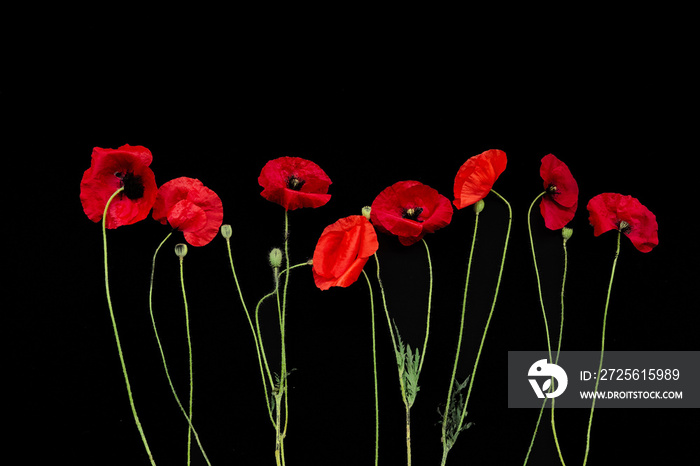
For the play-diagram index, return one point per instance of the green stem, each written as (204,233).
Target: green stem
(446,444)
(556,360)
(463,414)
(493,306)
(116,333)
(430,299)
(386,309)
(264,367)
(374,365)
(602,348)
(189,348)
(162,352)
(256,335)
(537,274)
(283,392)
(544,315)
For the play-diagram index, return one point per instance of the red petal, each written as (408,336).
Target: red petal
(190,207)
(477,176)
(342,251)
(554,172)
(275,174)
(607,210)
(389,207)
(99,182)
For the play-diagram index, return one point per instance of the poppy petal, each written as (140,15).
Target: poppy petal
(607,211)
(477,176)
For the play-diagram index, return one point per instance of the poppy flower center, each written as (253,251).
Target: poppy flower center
(295,183)
(552,189)
(133,185)
(624,227)
(411,213)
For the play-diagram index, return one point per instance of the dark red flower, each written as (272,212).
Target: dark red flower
(613,211)
(190,207)
(558,205)
(409,210)
(342,251)
(111,169)
(477,175)
(293,182)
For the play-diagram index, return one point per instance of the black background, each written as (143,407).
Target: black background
(373,99)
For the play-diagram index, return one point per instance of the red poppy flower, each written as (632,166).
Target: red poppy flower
(409,210)
(111,169)
(612,211)
(191,208)
(342,251)
(293,182)
(558,205)
(476,177)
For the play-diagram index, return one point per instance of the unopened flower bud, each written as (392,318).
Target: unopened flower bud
(226,231)
(276,258)
(566,233)
(180,250)
(479,206)
(366,210)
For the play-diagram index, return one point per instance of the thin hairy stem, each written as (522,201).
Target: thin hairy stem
(430,300)
(162,352)
(374,365)
(445,443)
(493,307)
(556,360)
(189,349)
(602,348)
(116,333)
(544,315)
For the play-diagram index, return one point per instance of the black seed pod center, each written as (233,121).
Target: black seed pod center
(133,185)
(412,213)
(295,183)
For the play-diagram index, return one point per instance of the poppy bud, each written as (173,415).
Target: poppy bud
(275,258)
(366,210)
(226,231)
(566,233)
(479,206)
(181,250)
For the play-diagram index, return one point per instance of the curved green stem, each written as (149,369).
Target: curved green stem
(264,367)
(486,327)
(408,399)
(537,274)
(116,333)
(162,352)
(189,349)
(446,442)
(493,307)
(282,389)
(430,300)
(256,335)
(374,365)
(602,348)
(386,309)
(556,360)
(544,316)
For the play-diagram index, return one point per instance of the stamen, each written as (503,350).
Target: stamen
(412,213)
(295,183)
